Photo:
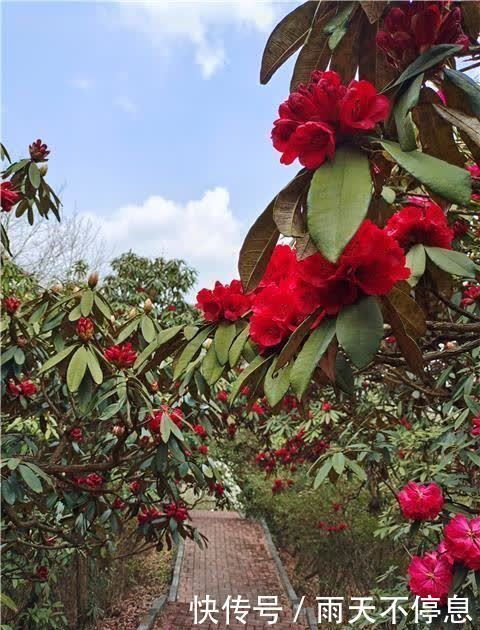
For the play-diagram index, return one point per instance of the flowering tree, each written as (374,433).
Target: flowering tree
(375,298)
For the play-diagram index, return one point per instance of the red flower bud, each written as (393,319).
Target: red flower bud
(42,573)
(8,196)
(85,328)
(11,304)
(38,151)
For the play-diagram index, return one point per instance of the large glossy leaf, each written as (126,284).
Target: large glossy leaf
(258,365)
(288,205)
(211,367)
(471,18)
(30,478)
(360,330)
(190,351)
(429,59)
(453,262)
(448,181)
(237,346)
(372,64)
(345,54)
(463,122)
(94,367)
(338,201)
(344,378)
(468,86)
(76,369)
(86,302)
(407,345)
(409,310)
(310,355)
(403,120)
(286,39)
(257,249)
(295,340)
(52,361)
(148,328)
(373,9)
(224,336)
(276,384)
(162,338)
(416,261)
(315,54)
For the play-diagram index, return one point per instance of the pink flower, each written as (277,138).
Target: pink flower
(462,540)
(431,575)
(421,502)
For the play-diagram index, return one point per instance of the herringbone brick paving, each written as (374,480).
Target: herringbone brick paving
(236,562)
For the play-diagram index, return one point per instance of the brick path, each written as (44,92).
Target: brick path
(236,562)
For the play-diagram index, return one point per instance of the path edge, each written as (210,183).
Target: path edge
(284,579)
(158,604)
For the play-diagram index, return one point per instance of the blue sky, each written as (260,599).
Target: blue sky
(158,125)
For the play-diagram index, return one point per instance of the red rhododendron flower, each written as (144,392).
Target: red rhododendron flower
(203,449)
(476,427)
(9,197)
(431,575)
(11,304)
(421,502)
(42,573)
(93,480)
(27,388)
(200,430)
(462,540)
(148,515)
(281,266)
(426,225)
(410,30)
(471,295)
(370,264)
(122,356)
(85,328)
(362,108)
(118,504)
(222,396)
(38,151)
(217,489)
(322,112)
(175,415)
(13,389)
(76,434)
(176,511)
(224,302)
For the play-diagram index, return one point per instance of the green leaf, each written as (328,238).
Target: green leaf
(257,364)
(163,337)
(34,175)
(127,330)
(237,346)
(94,367)
(416,261)
(322,474)
(449,181)
(8,601)
(224,336)
(276,384)
(76,369)
(75,314)
(57,359)
(338,463)
(190,351)
(344,375)
(453,262)
(356,469)
(338,201)
(429,59)
(309,356)
(403,119)
(30,478)
(360,330)
(86,302)
(211,367)
(469,87)
(148,328)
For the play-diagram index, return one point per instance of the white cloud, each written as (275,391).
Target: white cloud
(202,232)
(81,83)
(126,105)
(169,24)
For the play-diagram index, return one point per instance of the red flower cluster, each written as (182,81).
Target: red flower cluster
(431,575)
(24,388)
(11,304)
(415,27)
(294,451)
(331,529)
(118,504)
(281,484)
(421,502)
(224,302)
(93,481)
(201,431)
(9,197)
(122,356)
(321,113)
(148,515)
(222,396)
(462,540)
(425,223)
(176,511)
(38,151)
(217,489)
(76,434)
(175,415)
(471,295)
(203,449)
(42,573)
(85,328)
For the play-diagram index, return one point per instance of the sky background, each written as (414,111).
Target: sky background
(158,126)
